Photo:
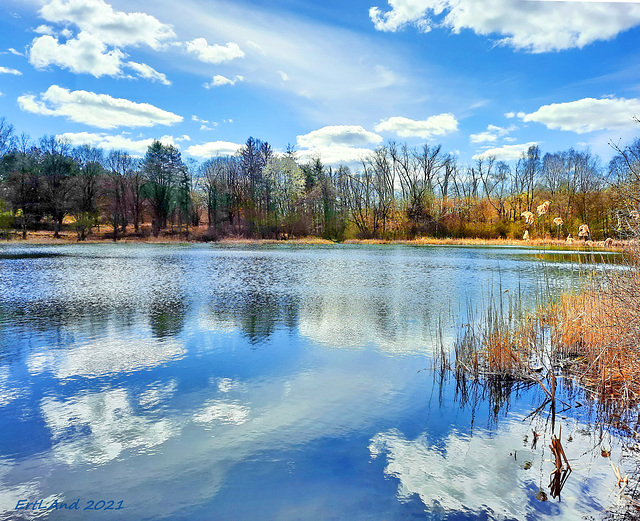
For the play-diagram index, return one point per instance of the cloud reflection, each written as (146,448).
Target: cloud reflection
(97,427)
(222,411)
(106,356)
(488,472)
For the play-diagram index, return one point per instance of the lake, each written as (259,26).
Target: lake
(272,382)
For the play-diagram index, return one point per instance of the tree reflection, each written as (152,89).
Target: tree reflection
(167,315)
(258,314)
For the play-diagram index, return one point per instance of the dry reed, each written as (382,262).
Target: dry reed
(592,336)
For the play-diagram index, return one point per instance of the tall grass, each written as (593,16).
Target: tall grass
(592,336)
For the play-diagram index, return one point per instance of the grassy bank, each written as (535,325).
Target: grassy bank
(202,234)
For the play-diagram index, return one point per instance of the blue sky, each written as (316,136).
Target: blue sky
(334,78)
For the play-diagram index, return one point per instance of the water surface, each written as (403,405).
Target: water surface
(273,382)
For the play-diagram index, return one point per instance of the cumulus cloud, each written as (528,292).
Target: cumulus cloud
(506,152)
(336,155)
(148,73)
(114,142)
(97,110)
(530,26)
(213,148)
(107,25)
(219,80)
(342,135)
(439,125)
(101,33)
(43,29)
(587,114)
(7,70)
(492,134)
(214,53)
(84,54)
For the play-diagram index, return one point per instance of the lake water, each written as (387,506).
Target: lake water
(271,383)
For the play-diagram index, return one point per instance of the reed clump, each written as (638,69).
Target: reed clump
(504,344)
(592,336)
(596,334)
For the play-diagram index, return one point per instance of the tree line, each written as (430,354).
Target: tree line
(397,192)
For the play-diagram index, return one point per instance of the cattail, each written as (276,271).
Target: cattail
(543,208)
(583,231)
(528,217)
(558,221)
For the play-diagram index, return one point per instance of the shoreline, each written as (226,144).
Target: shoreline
(46,238)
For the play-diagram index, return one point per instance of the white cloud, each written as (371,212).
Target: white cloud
(587,114)
(148,73)
(111,142)
(214,53)
(337,145)
(84,54)
(97,110)
(213,148)
(7,70)
(336,155)
(342,135)
(219,80)
(14,52)
(439,125)
(535,27)
(107,25)
(492,134)
(283,75)
(44,29)
(204,123)
(510,115)
(506,152)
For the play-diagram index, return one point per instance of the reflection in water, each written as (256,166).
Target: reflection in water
(167,315)
(199,381)
(105,357)
(257,314)
(222,411)
(493,472)
(96,428)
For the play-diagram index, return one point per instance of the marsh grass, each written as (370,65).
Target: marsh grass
(592,336)
(589,340)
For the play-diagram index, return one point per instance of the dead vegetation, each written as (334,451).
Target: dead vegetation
(590,338)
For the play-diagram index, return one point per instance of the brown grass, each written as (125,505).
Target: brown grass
(593,336)
(597,334)
(203,234)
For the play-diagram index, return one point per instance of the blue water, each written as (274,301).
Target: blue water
(272,383)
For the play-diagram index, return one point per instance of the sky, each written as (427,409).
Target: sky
(334,78)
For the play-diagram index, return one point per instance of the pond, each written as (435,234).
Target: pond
(272,382)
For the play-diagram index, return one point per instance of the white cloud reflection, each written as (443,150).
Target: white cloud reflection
(106,356)
(480,473)
(96,428)
(222,412)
